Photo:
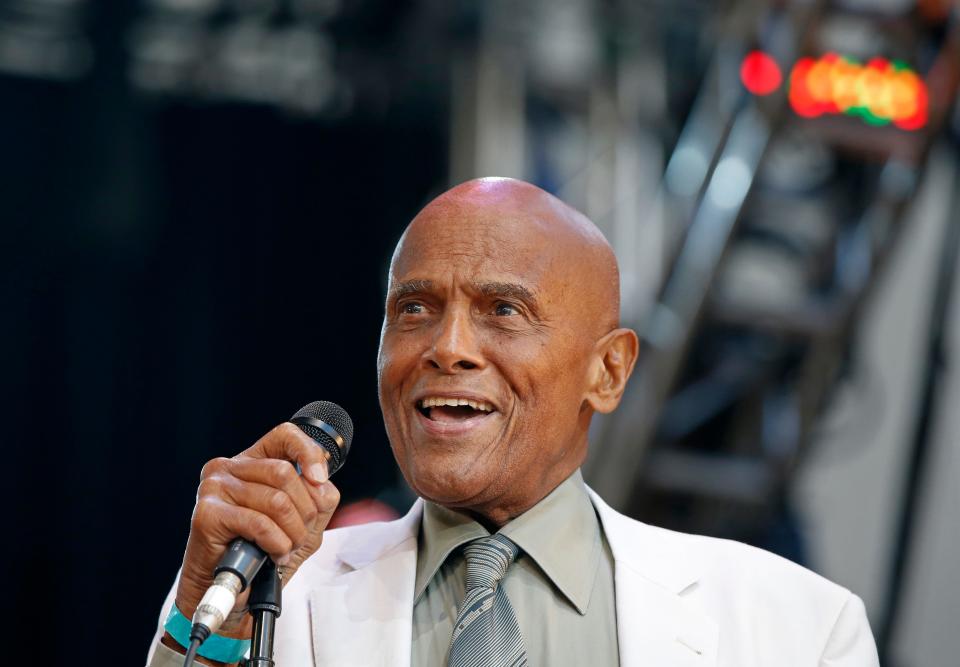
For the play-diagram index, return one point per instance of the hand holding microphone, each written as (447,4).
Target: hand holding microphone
(260,497)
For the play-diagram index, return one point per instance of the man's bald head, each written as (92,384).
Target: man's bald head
(510,211)
(499,342)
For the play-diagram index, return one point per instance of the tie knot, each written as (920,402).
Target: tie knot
(488,559)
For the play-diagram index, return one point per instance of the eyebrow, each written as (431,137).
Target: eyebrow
(507,291)
(488,289)
(410,287)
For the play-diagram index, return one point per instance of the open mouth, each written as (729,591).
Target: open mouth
(453,410)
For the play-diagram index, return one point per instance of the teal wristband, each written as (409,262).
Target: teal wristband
(217,647)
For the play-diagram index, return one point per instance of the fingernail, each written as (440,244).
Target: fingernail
(283,560)
(318,472)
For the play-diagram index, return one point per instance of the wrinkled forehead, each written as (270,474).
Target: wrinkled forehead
(478,248)
(508,232)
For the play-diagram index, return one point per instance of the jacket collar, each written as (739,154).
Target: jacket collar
(655,554)
(361,610)
(370,542)
(655,573)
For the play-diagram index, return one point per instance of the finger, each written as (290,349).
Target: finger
(226,521)
(273,502)
(288,442)
(327,497)
(279,475)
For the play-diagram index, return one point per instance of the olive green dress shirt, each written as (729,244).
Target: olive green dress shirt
(561,586)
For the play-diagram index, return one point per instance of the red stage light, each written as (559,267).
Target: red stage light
(800,96)
(760,73)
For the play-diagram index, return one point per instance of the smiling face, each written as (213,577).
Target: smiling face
(496,346)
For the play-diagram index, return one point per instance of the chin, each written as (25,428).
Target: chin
(449,484)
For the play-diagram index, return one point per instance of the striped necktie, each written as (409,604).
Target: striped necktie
(486,633)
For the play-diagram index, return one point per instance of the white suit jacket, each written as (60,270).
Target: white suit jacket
(681,600)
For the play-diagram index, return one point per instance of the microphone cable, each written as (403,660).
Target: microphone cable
(191,653)
(198,635)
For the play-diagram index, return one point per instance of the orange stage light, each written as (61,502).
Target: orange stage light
(880,92)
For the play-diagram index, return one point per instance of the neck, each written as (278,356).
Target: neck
(496,515)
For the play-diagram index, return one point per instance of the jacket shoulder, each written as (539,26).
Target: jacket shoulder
(724,576)
(730,565)
(711,561)
(770,605)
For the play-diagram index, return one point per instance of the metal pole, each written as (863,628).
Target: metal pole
(265,596)
(916,467)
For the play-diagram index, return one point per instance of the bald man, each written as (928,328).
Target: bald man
(500,341)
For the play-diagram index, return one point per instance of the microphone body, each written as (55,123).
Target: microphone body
(233,575)
(329,426)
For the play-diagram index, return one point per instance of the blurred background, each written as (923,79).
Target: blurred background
(199,199)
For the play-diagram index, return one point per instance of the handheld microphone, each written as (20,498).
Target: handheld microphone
(329,426)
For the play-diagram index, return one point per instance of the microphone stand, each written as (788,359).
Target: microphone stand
(265,594)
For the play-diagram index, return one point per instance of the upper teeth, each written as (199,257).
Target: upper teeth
(436,401)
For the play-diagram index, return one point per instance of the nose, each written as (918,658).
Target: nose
(456,346)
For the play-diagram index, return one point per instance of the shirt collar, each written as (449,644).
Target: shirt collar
(441,531)
(561,533)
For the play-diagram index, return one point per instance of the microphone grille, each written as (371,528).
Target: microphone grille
(337,418)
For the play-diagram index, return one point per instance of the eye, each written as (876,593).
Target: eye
(412,308)
(503,309)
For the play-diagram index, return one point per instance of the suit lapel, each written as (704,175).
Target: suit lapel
(656,623)
(656,627)
(363,615)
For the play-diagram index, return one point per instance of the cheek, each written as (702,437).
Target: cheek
(551,391)
(392,368)
(393,364)
(547,372)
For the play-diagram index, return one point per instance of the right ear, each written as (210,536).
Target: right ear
(615,357)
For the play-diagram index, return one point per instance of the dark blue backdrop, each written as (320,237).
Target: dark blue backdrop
(177,278)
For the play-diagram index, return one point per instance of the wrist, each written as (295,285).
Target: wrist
(237,625)
(172,644)
(216,648)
